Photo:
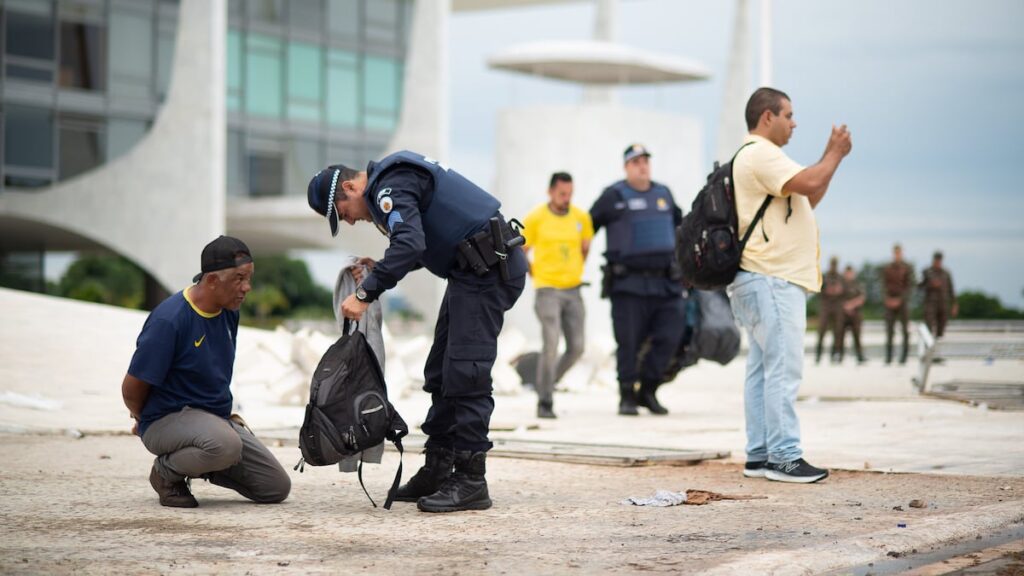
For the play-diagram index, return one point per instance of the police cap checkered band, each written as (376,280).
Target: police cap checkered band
(322,192)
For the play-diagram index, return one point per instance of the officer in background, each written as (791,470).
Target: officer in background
(830,309)
(897,283)
(559,234)
(939,297)
(852,317)
(436,218)
(641,277)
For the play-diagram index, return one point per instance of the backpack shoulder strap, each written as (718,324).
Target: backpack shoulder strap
(760,211)
(398,475)
(753,223)
(745,144)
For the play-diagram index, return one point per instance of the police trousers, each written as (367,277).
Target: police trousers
(457,373)
(636,319)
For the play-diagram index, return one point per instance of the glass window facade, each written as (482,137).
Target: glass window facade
(308,82)
(263,76)
(29,46)
(82,61)
(107,63)
(234,66)
(131,53)
(344,88)
(28,137)
(320,78)
(305,73)
(82,146)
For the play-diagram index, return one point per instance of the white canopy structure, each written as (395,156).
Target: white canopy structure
(595,62)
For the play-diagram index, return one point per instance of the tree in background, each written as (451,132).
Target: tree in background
(106,279)
(282,285)
(980,306)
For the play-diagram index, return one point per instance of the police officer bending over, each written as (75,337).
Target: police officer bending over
(437,219)
(641,277)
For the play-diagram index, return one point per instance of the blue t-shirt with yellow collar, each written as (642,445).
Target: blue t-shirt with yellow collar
(187,357)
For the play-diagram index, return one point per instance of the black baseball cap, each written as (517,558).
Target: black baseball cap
(634,151)
(223,253)
(322,191)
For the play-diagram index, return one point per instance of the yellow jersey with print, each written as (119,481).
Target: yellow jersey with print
(784,243)
(556,241)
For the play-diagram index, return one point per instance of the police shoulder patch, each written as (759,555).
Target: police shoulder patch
(386,204)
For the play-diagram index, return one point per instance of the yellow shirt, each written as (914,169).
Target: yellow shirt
(791,251)
(556,241)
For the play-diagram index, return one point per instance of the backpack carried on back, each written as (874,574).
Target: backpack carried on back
(708,246)
(348,409)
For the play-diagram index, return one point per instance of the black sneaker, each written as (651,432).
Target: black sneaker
(755,469)
(798,471)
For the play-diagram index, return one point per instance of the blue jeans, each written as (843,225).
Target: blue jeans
(774,313)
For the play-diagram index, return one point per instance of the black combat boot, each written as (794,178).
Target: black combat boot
(648,400)
(627,400)
(430,477)
(466,489)
(173,494)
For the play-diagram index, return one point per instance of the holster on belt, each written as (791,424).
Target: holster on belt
(490,247)
(609,272)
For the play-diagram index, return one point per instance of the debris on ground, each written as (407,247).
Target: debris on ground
(660,498)
(700,497)
(691,497)
(915,503)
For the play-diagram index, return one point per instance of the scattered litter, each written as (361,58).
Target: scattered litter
(104,457)
(692,498)
(898,508)
(915,503)
(698,497)
(660,498)
(73,432)
(1006,487)
(901,525)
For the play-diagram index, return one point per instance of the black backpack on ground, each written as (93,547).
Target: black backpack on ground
(348,409)
(707,244)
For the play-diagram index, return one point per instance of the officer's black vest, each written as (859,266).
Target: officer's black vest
(646,225)
(457,209)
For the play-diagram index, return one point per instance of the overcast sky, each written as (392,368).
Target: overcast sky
(931,91)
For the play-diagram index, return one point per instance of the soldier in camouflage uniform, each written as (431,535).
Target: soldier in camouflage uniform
(852,316)
(939,298)
(830,308)
(897,283)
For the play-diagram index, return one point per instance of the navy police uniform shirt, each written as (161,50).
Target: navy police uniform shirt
(425,209)
(640,236)
(187,357)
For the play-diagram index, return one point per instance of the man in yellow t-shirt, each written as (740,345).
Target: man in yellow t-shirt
(558,235)
(778,268)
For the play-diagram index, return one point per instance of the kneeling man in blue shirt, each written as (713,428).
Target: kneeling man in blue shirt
(178,387)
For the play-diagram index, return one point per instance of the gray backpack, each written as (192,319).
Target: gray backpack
(348,409)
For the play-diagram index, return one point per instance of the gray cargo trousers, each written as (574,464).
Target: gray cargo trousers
(560,312)
(193,443)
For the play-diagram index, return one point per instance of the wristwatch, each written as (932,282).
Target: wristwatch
(361,294)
